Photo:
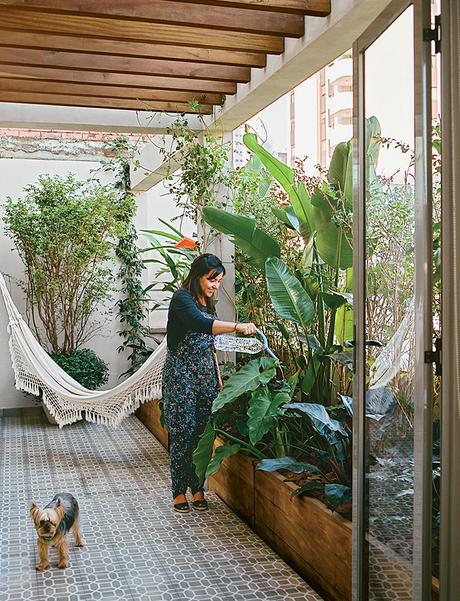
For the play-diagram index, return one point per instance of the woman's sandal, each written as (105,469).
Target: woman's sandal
(181,507)
(200,505)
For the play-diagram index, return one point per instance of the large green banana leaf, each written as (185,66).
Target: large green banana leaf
(290,300)
(262,412)
(258,245)
(340,172)
(248,378)
(285,176)
(333,240)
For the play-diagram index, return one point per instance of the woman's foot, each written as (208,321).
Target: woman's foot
(180,504)
(199,502)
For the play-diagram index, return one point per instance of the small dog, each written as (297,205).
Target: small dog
(52,524)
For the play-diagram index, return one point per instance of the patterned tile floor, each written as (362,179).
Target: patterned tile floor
(136,549)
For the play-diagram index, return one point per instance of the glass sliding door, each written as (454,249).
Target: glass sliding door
(392,309)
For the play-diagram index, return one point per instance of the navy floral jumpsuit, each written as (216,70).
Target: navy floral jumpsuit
(190,385)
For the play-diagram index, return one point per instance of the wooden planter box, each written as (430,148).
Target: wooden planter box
(149,414)
(234,483)
(315,541)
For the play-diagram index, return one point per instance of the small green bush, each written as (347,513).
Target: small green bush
(84,366)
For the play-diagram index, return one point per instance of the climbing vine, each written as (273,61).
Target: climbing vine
(203,160)
(132,305)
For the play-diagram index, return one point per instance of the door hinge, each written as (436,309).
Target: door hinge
(434,34)
(435,356)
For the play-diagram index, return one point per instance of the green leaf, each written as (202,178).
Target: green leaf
(203,452)
(262,412)
(310,374)
(337,494)
(248,378)
(221,453)
(308,487)
(258,245)
(277,169)
(284,175)
(292,381)
(334,300)
(333,241)
(289,298)
(319,417)
(344,324)
(340,171)
(286,463)
(345,358)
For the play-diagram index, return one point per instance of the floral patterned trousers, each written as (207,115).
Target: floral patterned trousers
(190,386)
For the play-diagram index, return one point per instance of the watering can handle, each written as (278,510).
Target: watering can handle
(265,343)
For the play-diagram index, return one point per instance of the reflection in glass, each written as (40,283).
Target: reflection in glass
(390,268)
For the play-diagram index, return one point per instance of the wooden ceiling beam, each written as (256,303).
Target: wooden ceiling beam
(179,13)
(96,102)
(53,75)
(313,8)
(122,64)
(73,89)
(25,39)
(138,31)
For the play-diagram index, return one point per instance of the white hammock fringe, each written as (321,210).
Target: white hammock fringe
(66,399)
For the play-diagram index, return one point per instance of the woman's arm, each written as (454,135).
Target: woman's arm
(187,311)
(225,327)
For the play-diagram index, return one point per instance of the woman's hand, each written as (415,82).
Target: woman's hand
(246,328)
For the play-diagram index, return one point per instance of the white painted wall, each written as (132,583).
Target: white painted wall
(14,175)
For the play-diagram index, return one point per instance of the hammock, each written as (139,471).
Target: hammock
(66,399)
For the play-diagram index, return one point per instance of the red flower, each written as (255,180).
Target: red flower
(186,243)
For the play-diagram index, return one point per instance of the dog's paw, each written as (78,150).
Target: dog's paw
(62,565)
(41,566)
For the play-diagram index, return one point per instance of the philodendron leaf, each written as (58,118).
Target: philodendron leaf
(248,378)
(203,452)
(262,412)
(286,463)
(319,417)
(308,487)
(221,453)
(258,245)
(337,494)
(290,300)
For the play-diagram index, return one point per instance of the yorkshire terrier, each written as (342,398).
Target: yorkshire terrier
(52,524)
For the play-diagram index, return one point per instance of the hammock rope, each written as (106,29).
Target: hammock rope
(66,399)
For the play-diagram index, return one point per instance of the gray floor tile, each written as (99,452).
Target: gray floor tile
(136,549)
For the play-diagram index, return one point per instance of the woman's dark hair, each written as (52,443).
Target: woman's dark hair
(202,265)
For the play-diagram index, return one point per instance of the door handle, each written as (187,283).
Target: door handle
(352,344)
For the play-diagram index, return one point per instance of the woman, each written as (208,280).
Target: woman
(190,377)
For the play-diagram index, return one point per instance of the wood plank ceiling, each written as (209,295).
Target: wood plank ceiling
(157,55)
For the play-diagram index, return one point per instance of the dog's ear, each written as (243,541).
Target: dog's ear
(60,508)
(34,511)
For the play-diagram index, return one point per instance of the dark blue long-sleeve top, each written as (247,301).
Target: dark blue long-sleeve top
(184,315)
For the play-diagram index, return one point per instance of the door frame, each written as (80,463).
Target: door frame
(423,303)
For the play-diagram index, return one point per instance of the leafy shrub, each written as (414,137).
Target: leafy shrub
(63,230)
(84,366)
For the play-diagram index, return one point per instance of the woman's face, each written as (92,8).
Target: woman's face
(209,283)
